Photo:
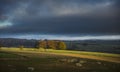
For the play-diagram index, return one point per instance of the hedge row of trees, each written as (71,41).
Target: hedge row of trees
(51,44)
(46,44)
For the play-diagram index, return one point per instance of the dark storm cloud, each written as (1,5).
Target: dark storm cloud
(59,16)
(6,6)
(69,25)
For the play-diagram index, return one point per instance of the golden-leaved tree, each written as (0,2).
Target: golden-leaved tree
(51,44)
(42,44)
(61,45)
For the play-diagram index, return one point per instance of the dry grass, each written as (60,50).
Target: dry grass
(80,54)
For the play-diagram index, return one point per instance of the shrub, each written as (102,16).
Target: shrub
(62,46)
(21,47)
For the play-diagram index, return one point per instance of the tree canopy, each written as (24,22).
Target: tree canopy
(52,44)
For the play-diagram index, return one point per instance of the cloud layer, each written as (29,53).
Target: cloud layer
(59,17)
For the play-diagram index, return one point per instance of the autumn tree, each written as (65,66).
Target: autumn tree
(42,44)
(51,44)
(61,45)
(38,44)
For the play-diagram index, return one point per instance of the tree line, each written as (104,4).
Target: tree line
(51,44)
(24,43)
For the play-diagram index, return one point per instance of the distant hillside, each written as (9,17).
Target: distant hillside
(12,42)
(110,46)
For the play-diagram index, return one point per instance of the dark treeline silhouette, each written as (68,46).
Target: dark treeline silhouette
(12,42)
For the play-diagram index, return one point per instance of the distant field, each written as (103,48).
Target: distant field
(108,48)
(30,60)
(82,54)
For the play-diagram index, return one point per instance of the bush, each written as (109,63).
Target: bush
(62,46)
(21,47)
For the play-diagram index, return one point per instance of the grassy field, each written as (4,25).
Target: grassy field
(7,55)
(64,51)
(30,60)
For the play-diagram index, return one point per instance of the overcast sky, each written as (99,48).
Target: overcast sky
(60,19)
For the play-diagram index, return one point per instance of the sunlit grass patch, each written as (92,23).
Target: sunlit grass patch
(64,51)
(85,53)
